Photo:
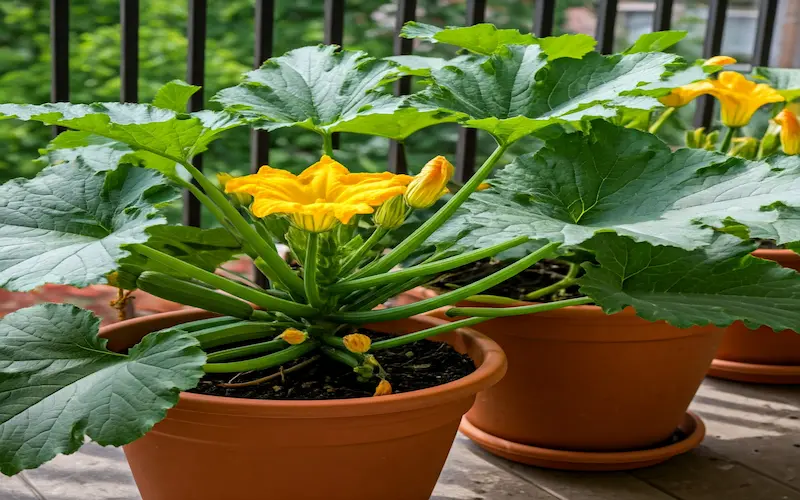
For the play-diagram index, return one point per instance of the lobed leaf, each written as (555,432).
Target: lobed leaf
(58,383)
(658,41)
(175,95)
(718,284)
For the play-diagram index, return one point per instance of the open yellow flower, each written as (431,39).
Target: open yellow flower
(681,96)
(430,184)
(790,131)
(740,98)
(321,195)
(357,342)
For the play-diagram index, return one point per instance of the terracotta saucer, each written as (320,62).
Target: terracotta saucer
(692,426)
(759,374)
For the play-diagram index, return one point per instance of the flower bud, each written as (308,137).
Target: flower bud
(391,214)
(744,147)
(719,61)
(430,184)
(710,143)
(384,388)
(293,336)
(790,131)
(357,342)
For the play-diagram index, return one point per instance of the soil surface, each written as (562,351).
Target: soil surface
(543,273)
(411,367)
(768,245)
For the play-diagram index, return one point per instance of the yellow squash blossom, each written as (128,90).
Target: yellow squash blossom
(293,336)
(790,131)
(323,194)
(430,184)
(384,388)
(357,342)
(740,98)
(719,61)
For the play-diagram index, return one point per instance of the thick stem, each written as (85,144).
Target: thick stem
(264,362)
(425,269)
(310,271)
(726,142)
(415,239)
(661,120)
(568,280)
(492,299)
(341,356)
(237,289)
(327,144)
(449,297)
(501,312)
(353,261)
(247,350)
(423,334)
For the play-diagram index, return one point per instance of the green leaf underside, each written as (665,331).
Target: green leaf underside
(58,382)
(718,284)
(174,95)
(656,42)
(325,90)
(486,39)
(86,149)
(517,91)
(67,226)
(626,181)
(141,126)
(785,80)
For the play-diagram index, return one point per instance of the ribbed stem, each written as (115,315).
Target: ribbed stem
(264,362)
(423,334)
(355,259)
(310,271)
(502,312)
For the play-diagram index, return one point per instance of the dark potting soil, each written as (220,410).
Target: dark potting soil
(411,367)
(768,245)
(543,273)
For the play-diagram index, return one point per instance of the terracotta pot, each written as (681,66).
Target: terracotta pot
(581,380)
(761,355)
(392,447)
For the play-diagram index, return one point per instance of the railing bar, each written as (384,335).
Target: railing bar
(544,17)
(662,17)
(406,11)
(334,34)
(766,30)
(195,75)
(466,148)
(717,9)
(606,20)
(59,53)
(262,50)
(129,63)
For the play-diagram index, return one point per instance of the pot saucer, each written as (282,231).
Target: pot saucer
(692,426)
(759,374)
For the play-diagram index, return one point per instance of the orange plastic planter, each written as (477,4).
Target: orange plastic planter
(761,355)
(391,447)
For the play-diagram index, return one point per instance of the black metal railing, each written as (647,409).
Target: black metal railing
(542,24)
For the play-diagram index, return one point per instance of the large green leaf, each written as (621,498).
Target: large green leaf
(141,126)
(658,41)
(629,182)
(67,225)
(325,90)
(717,284)
(517,90)
(486,39)
(86,149)
(785,80)
(175,95)
(58,382)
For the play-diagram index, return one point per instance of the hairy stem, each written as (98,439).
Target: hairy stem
(568,280)
(247,350)
(327,144)
(356,257)
(661,120)
(310,271)
(264,362)
(726,142)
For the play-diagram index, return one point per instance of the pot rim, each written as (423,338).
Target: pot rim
(489,372)
(776,253)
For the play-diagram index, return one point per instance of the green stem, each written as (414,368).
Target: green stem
(263,248)
(425,269)
(726,142)
(415,239)
(310,271)
(247,350)
(492,299)
(257,297)
(449,297)
(264,362)
(332,340)
(341,356)
(327,144)
(568,280)
(501,312)
(237,332)
(423,334)
(356,257)
(661,120)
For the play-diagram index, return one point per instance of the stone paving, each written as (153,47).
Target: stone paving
(751,452)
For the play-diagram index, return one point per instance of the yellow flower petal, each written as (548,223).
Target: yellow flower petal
(357,342)
(430,184)
(681,96)
(293,336)
(740,98)
(384,388)
(719,61)
(483,186)
(790,131)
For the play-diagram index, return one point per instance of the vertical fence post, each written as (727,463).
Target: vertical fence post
(606,20)
(466,148)
(662,17)
(717,9)
(766,28)
(195,75)
(59,53)
(406,11)
(543,17)
(129,63)
(334,35)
